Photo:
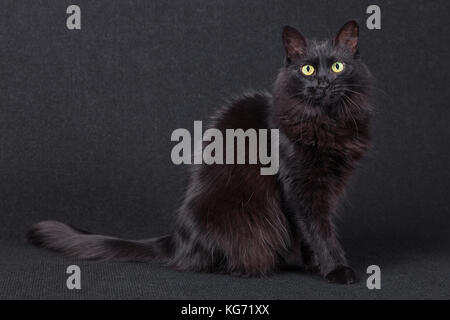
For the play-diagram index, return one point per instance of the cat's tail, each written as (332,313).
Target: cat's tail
(59,237)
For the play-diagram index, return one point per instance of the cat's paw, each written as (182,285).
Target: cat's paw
(342,275)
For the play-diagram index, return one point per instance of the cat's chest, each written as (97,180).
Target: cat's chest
(327,146)
(327,136)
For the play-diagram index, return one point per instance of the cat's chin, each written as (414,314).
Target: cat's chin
(325,102)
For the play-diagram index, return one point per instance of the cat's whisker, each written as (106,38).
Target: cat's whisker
(296,95)
(368,87)
(352,102)
(351,116)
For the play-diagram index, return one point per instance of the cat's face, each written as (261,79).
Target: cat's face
(323,74)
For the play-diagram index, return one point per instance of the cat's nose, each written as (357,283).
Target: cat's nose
(323,84)
(322,88)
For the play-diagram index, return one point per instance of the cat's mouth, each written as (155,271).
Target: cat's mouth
(323,97)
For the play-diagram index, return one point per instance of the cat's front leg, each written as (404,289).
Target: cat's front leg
(318,231)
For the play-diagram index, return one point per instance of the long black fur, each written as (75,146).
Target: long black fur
(235,220)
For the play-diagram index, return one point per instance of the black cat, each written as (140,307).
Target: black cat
(235,220)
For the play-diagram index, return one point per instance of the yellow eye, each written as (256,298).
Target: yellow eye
(337,67)
(307,69)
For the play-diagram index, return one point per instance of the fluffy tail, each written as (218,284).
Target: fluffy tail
(69,241)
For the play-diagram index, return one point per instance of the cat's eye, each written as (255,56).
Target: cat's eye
(337,67)
(307,69)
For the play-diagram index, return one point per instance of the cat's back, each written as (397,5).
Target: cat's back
(249,111)
(225,203)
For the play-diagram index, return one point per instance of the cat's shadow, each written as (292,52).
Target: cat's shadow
(390,248)
(396,245)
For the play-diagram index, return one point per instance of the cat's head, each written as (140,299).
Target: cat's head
(323,76)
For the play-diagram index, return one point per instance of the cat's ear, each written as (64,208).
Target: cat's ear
(294,42)
(348,37)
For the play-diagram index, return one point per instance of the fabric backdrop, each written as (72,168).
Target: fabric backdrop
(86,115)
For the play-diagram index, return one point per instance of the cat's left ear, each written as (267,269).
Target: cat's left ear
(348,37)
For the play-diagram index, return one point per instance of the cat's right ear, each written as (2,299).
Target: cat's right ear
(294,43)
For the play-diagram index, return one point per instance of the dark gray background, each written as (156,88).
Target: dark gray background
(86,118)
